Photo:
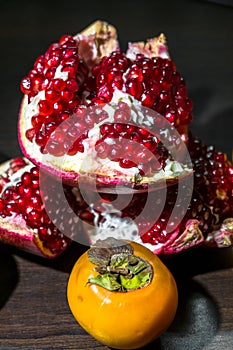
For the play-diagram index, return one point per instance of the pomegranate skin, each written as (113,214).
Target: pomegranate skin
(28,226)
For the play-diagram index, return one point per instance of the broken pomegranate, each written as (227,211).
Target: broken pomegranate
(24,219)
(80,102)
(114,128)
(161,221)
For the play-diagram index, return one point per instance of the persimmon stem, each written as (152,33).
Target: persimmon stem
(119,269)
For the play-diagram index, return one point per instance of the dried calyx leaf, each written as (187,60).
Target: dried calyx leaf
(101,252)
(119,269)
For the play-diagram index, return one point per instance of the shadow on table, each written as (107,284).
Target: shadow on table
(8,275)
(196,321)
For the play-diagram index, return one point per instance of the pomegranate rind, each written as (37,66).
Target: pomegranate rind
(154,47)
(15,232)
(96,41)
(221,237)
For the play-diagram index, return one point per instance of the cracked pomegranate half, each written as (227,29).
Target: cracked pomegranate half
(24,219)
(80,102)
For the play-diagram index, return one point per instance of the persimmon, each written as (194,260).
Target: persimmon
(122,294)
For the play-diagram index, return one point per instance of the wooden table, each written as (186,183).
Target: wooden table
(33,308)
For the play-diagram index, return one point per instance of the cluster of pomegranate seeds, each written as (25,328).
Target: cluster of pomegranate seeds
(160,233)
(153,81)
(59,74)
(138,149)
(211,202)
(23,199)
(157,232)
(213,175)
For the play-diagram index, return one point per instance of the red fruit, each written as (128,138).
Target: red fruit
(82,73)
(23,218)
(93,115)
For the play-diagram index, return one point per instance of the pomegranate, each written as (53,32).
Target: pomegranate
(80,102)
(171,228)
(24,220)
(93,115)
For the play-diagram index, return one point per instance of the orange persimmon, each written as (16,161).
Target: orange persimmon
(136,308)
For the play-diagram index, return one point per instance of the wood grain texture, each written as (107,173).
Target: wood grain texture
(35,314)
(33,307)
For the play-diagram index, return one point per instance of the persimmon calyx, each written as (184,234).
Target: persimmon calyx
(119,269)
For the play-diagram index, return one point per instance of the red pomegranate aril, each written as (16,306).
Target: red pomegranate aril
(126,163)
(119,128)
(30,134)
(54,243)
(122,116)
(41,139)
(58,135)
(106,129)
(74,148)
(55,149)
(171,116)
(45,107)
(150,144)
(26,178)
(25,191)
(50,73)
(26,85)
(2,205)
(37,121)
(35,182)
(67,95)
(43,233)
(9,209)
(73,102)
(36,200)
(58,84)
(52,62)
(39,64)
(72,85)
(134,88)
(15,165)
(105,92)
(115,152)
(49,127)
(34,218)
(65,39)
(36,82)
(70,52)
(58,107)
(51,95)
(147,99)
(102,149)
(130,128)
(35,171)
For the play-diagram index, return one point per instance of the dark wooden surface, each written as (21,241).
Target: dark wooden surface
(33,309)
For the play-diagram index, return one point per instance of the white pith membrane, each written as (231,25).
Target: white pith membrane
(87,164)
(113,225)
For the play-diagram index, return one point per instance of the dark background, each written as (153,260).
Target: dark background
(33,309)
(199,34)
